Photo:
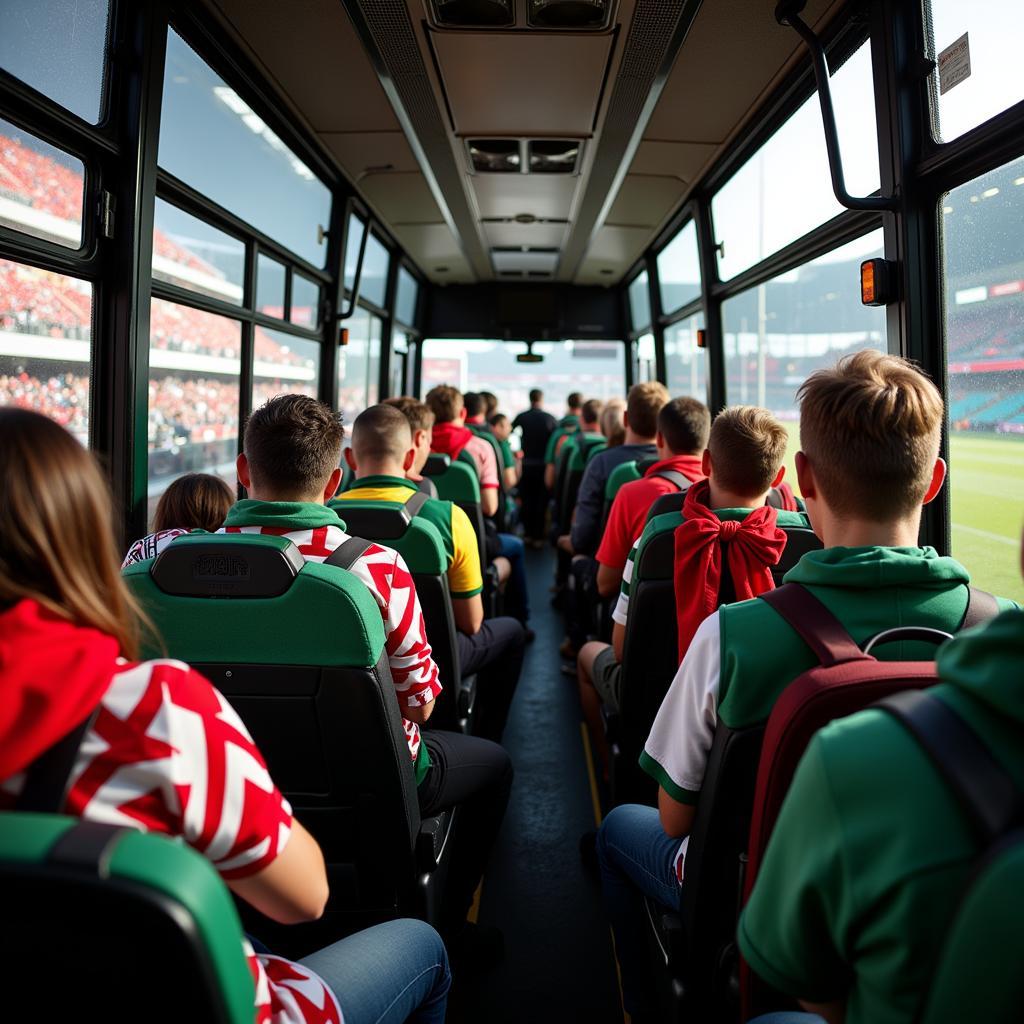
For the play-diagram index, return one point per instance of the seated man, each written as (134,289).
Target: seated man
(535,427)
(859,945)
(870,430)
(381,454)
(589,429)
(501,427)
(743,460)
(476,411)
(289,467)
(451,437)
(683,428)
(567,426)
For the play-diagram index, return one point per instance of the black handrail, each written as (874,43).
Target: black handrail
(344,314)
(787,12)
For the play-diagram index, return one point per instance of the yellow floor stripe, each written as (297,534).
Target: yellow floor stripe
(474,910)
(596,801)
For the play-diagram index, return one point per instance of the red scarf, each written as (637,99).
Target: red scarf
(52,674)
(755,543)
(450,438)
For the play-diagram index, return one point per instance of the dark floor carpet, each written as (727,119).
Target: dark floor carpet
(558,965)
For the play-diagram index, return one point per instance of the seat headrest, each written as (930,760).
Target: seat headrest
(227,565)
(436,464)
(642,465)
(382,521)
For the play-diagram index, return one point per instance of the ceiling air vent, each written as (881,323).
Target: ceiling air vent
(475,13)
(495,156)
(534,261)
(553,156)
(570,14)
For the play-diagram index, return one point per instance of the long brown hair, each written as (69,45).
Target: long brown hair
(195,501)
(56,538)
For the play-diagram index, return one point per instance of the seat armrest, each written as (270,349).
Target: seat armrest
(466,696)
(431,840)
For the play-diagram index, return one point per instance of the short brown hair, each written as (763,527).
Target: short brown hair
(57,546)
(611,421)
(381,432)
(685,423)
(490,403)
(445,403)
(195,501)
(870,427)
(643,403)
(293,444)
(575,400)
(419,414)
(747,446)
(590,411)
(474,403)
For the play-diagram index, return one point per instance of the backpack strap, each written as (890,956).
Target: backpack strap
(682,484)
(981,606)
(416,502)
(814,623)
(981,785)
(345,555)
(46,779)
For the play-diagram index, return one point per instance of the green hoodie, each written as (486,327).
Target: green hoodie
(283,515)
(872,852)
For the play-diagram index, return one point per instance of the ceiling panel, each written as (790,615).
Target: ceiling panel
(681,160)
(644,201)
(522,83)
(546,196)
(616,248)
(360,152)
(533,235)
(433,246)
(401,198)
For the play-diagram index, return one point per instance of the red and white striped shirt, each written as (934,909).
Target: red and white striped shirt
(388,579)
(168,754)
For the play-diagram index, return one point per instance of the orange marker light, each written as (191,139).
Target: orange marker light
(702,338)
(343,336)
(867,282)
(877,282)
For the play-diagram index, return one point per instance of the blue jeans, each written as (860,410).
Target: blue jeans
(636,860)
(517,602)
(393,972)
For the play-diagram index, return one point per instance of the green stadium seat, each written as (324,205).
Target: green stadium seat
(420,544)
(623,474)
(298,649)
(457,481)
(120,923)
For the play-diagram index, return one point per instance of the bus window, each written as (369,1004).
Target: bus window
(779,332)
(686,364)
(270,287)
(305,307)
(405,298)
(194,367)
(993,30)
(373,285)
(640,302)
(45,329)
(646,365)
(41,188)
(359,365)
(679,270)
(283,363)
(984,285)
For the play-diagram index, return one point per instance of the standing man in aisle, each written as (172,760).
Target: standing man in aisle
(536,426)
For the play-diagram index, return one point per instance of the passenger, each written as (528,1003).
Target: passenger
(195,501)
(612,425)
(289,467)
(157,755)
(872,852)
(589,428)
(476,411)
(683,428)
(451,437)
(490,404)
(567,425)
(501,427)
(421,425)
(381,454)
(870,430)
(536,427)
(743,460)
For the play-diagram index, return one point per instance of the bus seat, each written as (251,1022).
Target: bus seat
(488,436)
(623,474)
(673,502)
(458,482)
(579,455)
(419,543)
(978,975)
(298,649)
(137,922)
(651,648)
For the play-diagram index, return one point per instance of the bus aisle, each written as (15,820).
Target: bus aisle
(558,963)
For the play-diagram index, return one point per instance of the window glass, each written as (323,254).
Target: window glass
(269,287)
(639,302)
(283,364)
(646,366)
(359,366)
(399,360)
(194,366)
(373,284)
(777,333)
(984,285)
(59,48)
(305,308)
(211,139)
(785,189)
(686,364)
(353,240)
(679,270)
(405,299)
(45,330)
(41,187)
(994,30)
(593,367)
(195,255)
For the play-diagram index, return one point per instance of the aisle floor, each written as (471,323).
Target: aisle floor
(558,965)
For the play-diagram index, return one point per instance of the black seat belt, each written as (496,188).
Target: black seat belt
(415,503)
(46,779)
(673,476)
(981,606)
(345,555)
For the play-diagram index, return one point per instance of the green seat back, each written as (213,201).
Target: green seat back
(596,449)
(458,482)
(584,447)
(156,930)
(978,977)
(621,474)
(419,543)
